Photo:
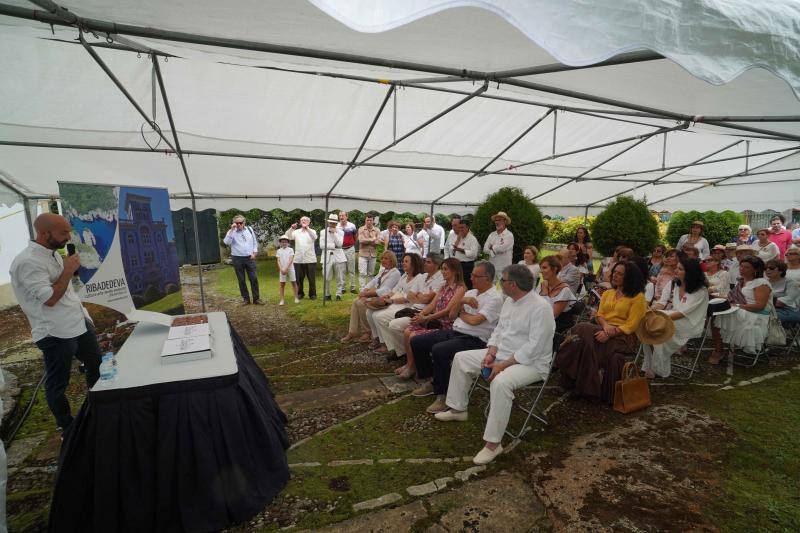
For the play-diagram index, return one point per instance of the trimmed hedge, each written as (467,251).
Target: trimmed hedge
(719,227)
(625,221)
(527,223)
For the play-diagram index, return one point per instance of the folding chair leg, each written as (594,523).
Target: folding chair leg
(748,360)
(694,368)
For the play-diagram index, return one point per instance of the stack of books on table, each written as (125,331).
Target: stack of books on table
(189,339)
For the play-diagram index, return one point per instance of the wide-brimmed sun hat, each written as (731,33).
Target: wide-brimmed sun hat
(698,223)
(655,328)
(333,217)
(503,215)
(745,248)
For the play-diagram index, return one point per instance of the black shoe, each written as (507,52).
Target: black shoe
(328,298)
(338,297)
(312,297)
(301,296)
(245,302)
(258,302)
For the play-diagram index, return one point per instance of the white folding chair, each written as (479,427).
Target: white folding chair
(531,411)
(792,335)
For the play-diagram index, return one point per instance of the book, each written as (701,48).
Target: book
(186,349)
(194,330)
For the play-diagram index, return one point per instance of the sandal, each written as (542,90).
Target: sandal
(407,373)
(366,337)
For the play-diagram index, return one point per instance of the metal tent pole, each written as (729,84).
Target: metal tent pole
(167,107)
(748,173)
(325,253)
(479,172)
(671,172)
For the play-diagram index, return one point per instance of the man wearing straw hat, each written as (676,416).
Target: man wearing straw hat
(333,256)
(500,243)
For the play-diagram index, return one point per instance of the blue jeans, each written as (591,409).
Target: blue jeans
(787,314)
(58,354)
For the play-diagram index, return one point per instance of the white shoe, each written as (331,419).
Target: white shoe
(486,456)
(280,303)
(450,415)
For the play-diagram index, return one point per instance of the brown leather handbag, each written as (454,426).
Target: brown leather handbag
(632,392)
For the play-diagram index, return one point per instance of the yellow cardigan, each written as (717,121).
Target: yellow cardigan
(625,313)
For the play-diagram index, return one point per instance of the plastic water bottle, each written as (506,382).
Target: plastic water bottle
(108,368)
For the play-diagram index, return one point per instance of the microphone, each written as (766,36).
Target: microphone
(71,251)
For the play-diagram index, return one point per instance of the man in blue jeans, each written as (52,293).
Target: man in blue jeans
(244,247)
(42,284)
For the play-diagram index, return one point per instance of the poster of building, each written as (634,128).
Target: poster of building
(126,241)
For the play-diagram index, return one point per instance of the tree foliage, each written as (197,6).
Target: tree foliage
(625,221)
(563,231)
(527,223)
(718,228)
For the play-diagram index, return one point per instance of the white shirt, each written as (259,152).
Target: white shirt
(448,247)
(284,256)
(693,306)
(437,237)
(768,251)
(331,241)
(303,245)
(411,244)
(425,284)
(489,305)
(719,283)
(470,246)
(535,270)
(703,249)
(384,282)
(564,295)
(525,330)
(243,241)
(570,275)
(426,242)
(502,248)
(33,273)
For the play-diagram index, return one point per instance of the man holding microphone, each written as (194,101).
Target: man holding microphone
(42,284)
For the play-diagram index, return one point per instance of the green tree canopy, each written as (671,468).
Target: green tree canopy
(527,224)
(625,221)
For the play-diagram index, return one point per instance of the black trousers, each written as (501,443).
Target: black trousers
(242,265)
(434,353)
(58,354)
(306,270)
(466,267)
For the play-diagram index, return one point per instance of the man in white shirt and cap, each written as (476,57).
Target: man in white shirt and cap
(518,353)
(500,243)
(333,256)
(305,257)
(60,327)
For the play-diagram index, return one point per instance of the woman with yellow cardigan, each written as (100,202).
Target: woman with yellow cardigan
(591,358)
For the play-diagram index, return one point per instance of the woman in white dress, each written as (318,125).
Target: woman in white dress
(530,257)
(746,326)
(696,239)
(766,249)
(685,301)
(719,282)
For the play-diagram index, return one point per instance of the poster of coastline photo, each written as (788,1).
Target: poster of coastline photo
(126,241)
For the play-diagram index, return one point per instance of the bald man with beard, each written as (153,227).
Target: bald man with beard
(42,283)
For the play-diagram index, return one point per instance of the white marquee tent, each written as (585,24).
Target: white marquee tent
(401,105)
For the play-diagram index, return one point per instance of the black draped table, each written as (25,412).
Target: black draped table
(192,446)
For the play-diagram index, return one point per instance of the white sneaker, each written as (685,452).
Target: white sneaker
(297,300)
(280,303)
(486,456)
(450,415)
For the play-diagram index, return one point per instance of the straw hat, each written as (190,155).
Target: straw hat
(502,214)
(730,246)
(745,248)
(333,218)
(284,238)
(718,247)
(698,223)
(655,328)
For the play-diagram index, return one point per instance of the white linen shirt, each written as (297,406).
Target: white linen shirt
(384,282)
(303,245)
(424,284)
(33,273)
(489,305)
(243,241)
(525,330)
(502,249)
(470,246)
(448,247)
(331,242)
(437,238)
(426,242)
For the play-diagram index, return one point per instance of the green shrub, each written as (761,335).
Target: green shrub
(625,221)
(527,224)
(563,231)
(718,227)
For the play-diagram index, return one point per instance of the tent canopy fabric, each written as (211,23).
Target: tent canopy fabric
(697,127)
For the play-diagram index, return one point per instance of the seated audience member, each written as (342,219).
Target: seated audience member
(746,326)
(569,273)
(530,258)
(730,256)
(785,292)
(378,287)
(742,251)
(603,344)
(518,353)
(793,264)
(745,236)
(686,302)
(696,239)
(438,314)
(434,351)
(654,262)
(719,282)
(410,240)
(580,259)
(779,235)
(423,289)
(621,253)
(765,248)
(391,303)
(667,272)
(558,294)
(690,252)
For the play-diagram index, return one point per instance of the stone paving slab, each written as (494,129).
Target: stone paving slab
(335,395)
(397,385)
(21,448)
(399,519)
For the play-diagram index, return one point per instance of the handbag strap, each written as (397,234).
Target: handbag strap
(629,371)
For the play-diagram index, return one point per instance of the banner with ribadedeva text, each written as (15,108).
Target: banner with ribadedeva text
(126,242)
